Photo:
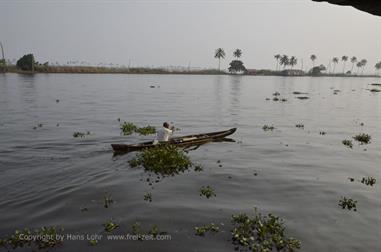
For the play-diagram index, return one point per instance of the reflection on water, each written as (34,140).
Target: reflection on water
(47,176)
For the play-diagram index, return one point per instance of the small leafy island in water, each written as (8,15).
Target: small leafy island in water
(207,191)
(261,233)
(200,231)
(268,128)
(198,168)
(79,134)
(48,238)
(300,126)
(351,179)
(107,201)
(322,133)
(148,130)
(148,197)
(164,159)
(375,90)
(363,138)
(376,84)
(298,93)
(275,99)
(348,143)
(370,181)
(276,94)
(347,203)
(303,97)
(128,128)
(110,226)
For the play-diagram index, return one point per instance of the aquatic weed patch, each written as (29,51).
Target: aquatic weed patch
(369,181)
(207,191)
(148,130)
(42,238)
(79,134)
(107,201)
(148,197)
(347,203)
(300,126)
(261,233)
(268,127)
(201,231)
(110,226)
(164,159)
(128,128)
(348,143)
(363,138)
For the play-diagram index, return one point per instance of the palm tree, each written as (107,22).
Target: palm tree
(353,61)
(335,60)
(359,65)
(363,64)
(284,61)
(277,57)
(237,53)
(344,59)
(313,58)
(219,54)
(293,61)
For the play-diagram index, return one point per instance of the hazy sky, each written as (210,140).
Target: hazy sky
(179,32)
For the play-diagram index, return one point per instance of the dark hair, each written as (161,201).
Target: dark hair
(166,125)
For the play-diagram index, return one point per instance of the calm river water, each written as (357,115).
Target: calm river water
(47,175)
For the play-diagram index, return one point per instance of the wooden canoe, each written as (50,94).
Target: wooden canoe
(183,141)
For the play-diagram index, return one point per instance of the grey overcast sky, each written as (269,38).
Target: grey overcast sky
(179,32)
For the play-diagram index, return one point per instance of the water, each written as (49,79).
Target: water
(47,176)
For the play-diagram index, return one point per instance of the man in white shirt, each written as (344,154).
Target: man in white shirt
(163,134)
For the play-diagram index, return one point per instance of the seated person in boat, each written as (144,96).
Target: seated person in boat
(164,134)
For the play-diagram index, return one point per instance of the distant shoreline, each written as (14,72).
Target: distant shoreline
(142,70)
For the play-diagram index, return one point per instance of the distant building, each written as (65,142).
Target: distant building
(293,72)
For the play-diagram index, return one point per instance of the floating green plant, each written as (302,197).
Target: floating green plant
(128,128)
(351,179)
(207,191)
(200,231)
(46,237)
(276,94)
(376,84)
(348,143)
(347,203)
(136,228)
(370,181)
(164,159)
(155,231)
(322,133)
(107,201)
(110,226)
(375,90)
(198,168)
(303,97)
(148,130)
(283,100)
(300,126)
(268,128)
(148,197)
(298,93)
(78,134)
(93,242)
(261,233)
(275,99)
(363,138)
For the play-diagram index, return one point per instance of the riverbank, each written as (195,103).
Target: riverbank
(145,70)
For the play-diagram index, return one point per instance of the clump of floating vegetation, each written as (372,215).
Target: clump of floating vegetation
(200,231)
(136,228)
(300,126)
(198,168)
(283,100)
(376,84)
(322,133)
(148,197)
(78,134)
(93,242)
(163,159)
(110,226)
(148,130)
(351,179)
(268,128)
(347,203)
(128,128)
(348,143)
(207,191)
(298,93)
(363,138)
(370,181)
(276,94)
(375,90)
(107,201)
(261,233)
(275,99)
(47,237)
(303,97)
(154,231)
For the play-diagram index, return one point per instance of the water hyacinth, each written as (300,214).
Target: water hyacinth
(347,203)
(148,130)
(268,128)
(363,138)
(110,226)
(261,233)
(128,128)
(163,159)
(348,143)
(200,231)
(207,191)
(369,181)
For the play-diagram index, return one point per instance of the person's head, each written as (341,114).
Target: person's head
(166,125)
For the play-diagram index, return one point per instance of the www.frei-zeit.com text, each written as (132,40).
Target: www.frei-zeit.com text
(89,237)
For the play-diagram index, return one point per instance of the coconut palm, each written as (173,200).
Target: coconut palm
(363,64)
(219,54)
(293,61)
(359,65)
(313,58)
(353,61)
(284,61)
(335,60)
(277,57)
(237,53)
(344,59)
